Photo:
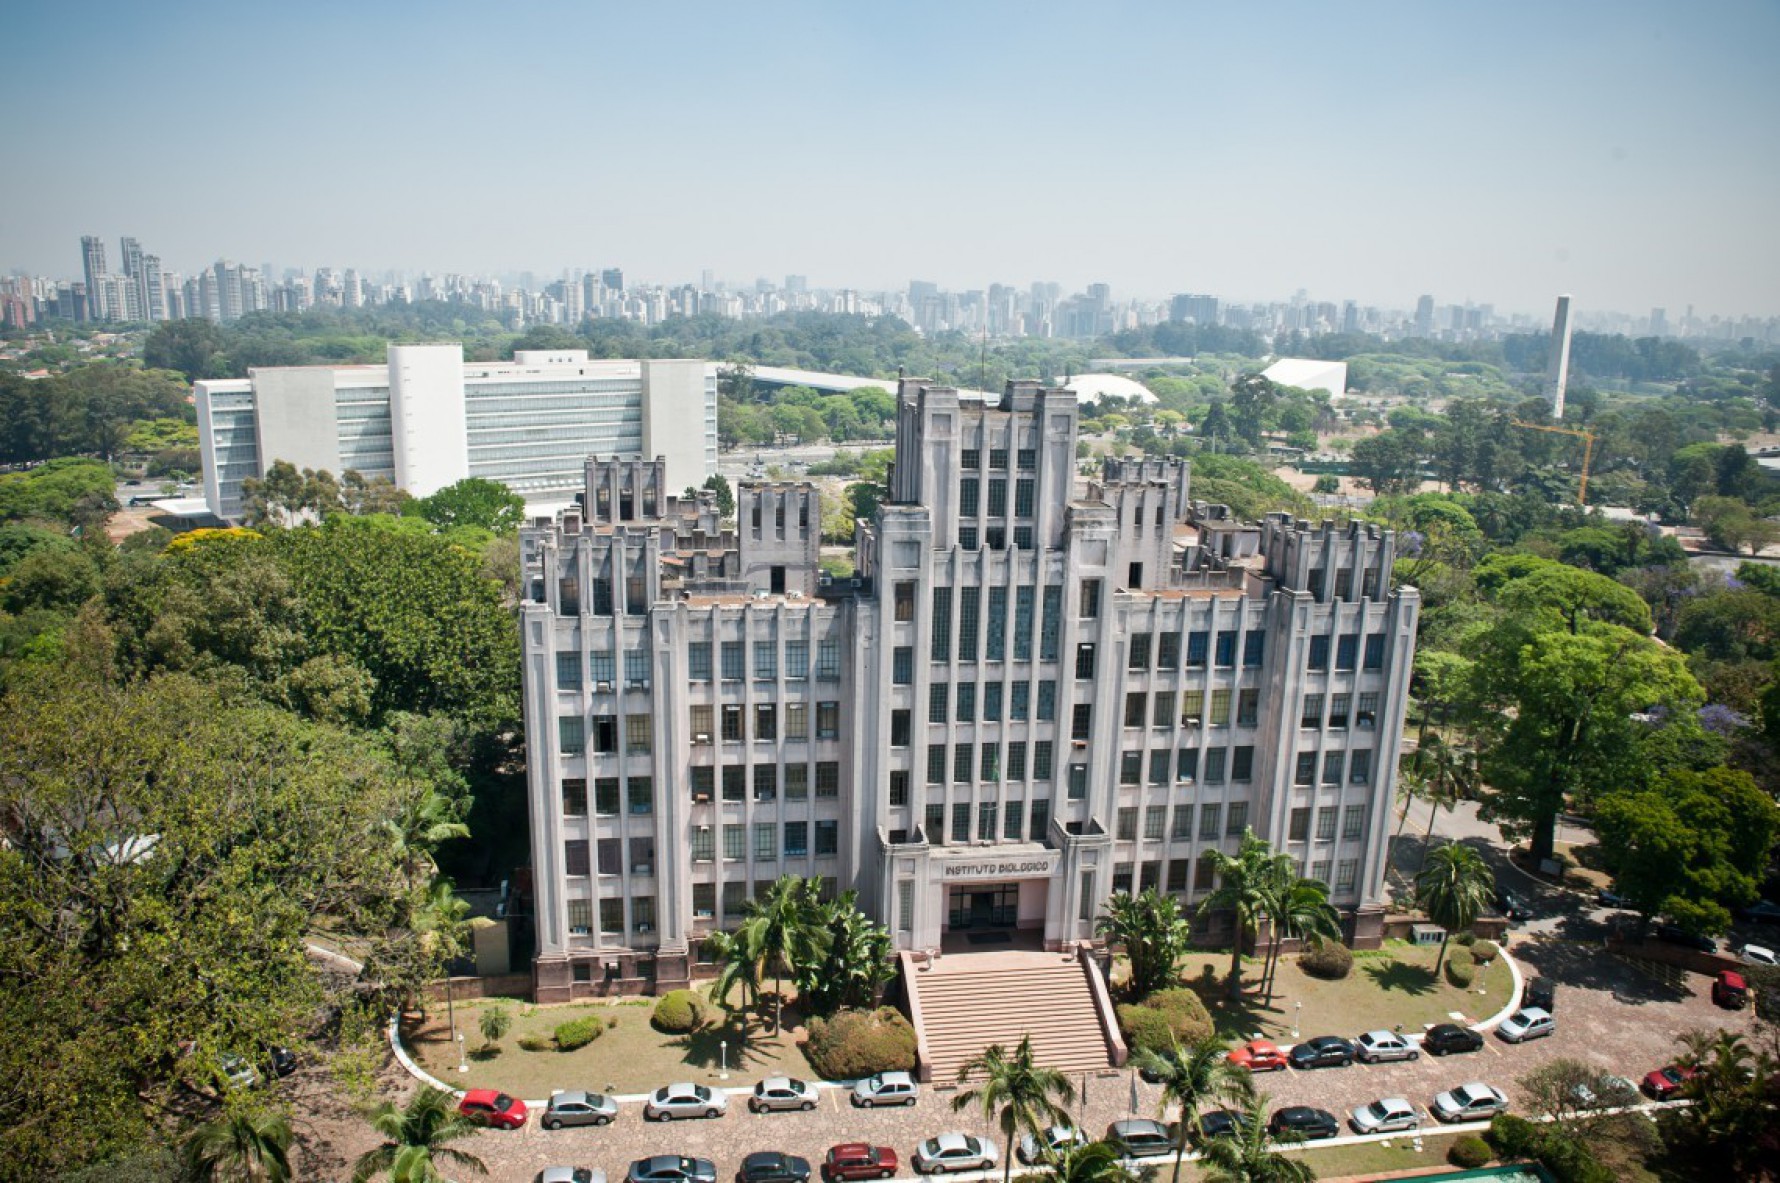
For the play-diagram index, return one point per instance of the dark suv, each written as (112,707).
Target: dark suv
(1443,1039)
(1304,1121)
(1325,1051)
(1540,992)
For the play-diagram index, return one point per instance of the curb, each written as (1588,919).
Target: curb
(1496,1020)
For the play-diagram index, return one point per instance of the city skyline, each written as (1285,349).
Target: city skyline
(1168,150)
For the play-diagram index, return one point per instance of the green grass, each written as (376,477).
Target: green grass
(632,1057)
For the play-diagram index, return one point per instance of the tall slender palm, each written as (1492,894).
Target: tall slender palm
(738,968)
(1097,1162)
(1242,890)
(426,818)
(1016,1093)
(1154,934)
(1300,909)
(1248,1154)
(1454,889)
(415,1137)
(782,934)
(241,1148)
(1191,1076)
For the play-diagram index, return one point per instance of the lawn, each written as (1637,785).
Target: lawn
(631,1057)
(1374,1158)
(1386,988)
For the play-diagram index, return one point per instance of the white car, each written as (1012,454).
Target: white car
(955,1152)
(1470,1102)
(571,1175)
(684,1100)
(1527,1023)
(1052,1140)
(1384,1115)
(886,1088)
(782,1092)
(1375,1047)
(1605,1092)
(1757,955)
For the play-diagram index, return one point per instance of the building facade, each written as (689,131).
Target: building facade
(1036,692)
(429,418)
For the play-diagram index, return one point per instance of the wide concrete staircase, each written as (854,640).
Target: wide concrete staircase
(966,1008)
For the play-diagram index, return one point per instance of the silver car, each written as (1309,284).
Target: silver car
(684,1100)
(571,1175)
(577,1107)
(1375,1047)
(782,1092)
(1384,1115)
(1470,1102)
(955,1152)
(886,1088)
(1051,1141)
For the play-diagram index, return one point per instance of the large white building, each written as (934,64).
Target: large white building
(1037,692)
(429,418)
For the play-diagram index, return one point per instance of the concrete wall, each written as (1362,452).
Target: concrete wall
(426,414)
(295,418)
(674,419)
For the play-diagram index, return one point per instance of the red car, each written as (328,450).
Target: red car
(491,1108)
(1666,1082)
(1259,1055)
(856,1160)
(1730,990)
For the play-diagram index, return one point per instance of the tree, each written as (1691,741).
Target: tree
(494,1022)
(1449,774)
(725,495)
(415,1139)
(1389,462)
(1242,890)
(1014,1092)
(1095,1162)
(1249,1154)
(737,968)
(241,1147)
(1153,933)
(1190,1077)
(1454,888)
(782,932)
(1732,524)
(1299,910)
(191,346)
(1732,1129)
(857,964)
(473,501)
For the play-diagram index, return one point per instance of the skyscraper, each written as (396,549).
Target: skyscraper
(1424,317)
(1557,376)
(92,253)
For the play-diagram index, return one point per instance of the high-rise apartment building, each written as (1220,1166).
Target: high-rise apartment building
(1557,373)
(92,256)
(1036,692)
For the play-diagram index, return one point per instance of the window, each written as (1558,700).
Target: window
(766,841)
(1041,760)
(961,822)
(1090,605)
(1027,459)
(1210,822)
(704,844)
(1333,762)
(574,857)
(1081,721)
(1016,760)
(568,671)
(1177,874)
(1346,650)
(1047,701)
(797,782)
(1369,583)
(936,763)
(934,824)
(1130,768)
(636,667)
(902,665)
(731,716)
(1353,822)
(1127,831)
(1160,761)
(1344,582)
(1325,825)
(828,838)
(797,660)
(1226,654)
(698,663)
(735,840)
(828,720)
(899,729)
(1347,873)
(1084,660)
(580,917)
(1192,708)
(704,901)
(605,796)
(1237,821)
(1162,712)
(605,733)
(1041,820)
(970,459)
(967,702)
(968,497)
(969,602)
(639,794)
(1149,875)
(991,702)
(602,597)
(601,666)
(967,537)
(1220,708)
(1248,708)
(828,661)
(1305,773)
(702,723)
(766,782)
(612,916)
(1367,715)
(1053,623)
(1319,653)
(571,735)
(988,818)
(998,499)
(937,694)
(1138,656)
(1019,706)
(963,762)
(1312,715)
(1014,827)
(1338,708)
(1375,651)
(1183,822)
(766,661)
(574,798)
(734,660)
(1359,769)
(611,856)
(828,778)
(1155,819)
(998,458)
(1137,708)
(704,782)
(1023,597)
(942,624)
(995,646)
(1315,585)
(735,898)
(1168,651)
(904,600)
(1319,870)
(1078,782)
(991,763)
(1300,824)
(1197,645)
(899,788)
(1214,766)
(797,722)
(766,721)
(797,839)
(1254,647)
(1024,499)
(1242,764)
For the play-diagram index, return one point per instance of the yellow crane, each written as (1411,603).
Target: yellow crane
(1588,450)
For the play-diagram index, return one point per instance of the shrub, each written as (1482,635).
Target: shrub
(678,1012)
(1461,971)
(494,1022)
(857,1043)
(579,1032)
(1330,960)
(1466,939)
(1469,1153)
(1511,1136)
(1144,1028)
(534,1043)
(1485,952)
(1185,1012)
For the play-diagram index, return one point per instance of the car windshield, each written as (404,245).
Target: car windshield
(971,1145)
(701,1092)
(503,1103)
(1378,1109)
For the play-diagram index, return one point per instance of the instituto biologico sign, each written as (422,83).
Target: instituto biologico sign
(1037,865)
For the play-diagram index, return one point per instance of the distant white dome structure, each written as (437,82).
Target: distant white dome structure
(1309,374)
(1089,388)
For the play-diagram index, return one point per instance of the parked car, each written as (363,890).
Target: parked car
(1512,906)
(1527,1023)
(571,1175)
(1384,1115)
(1608,898)
(886,1088)
(1052,1140)
(782,1092)
(1223,1123)
(1540,992)
(1760,912)
(1605,1092)
(1676,935)
(1303,1121)
(490,1108)
(1140,1137)
(284,1061)
(1324,1051)
(1259,1055)
(1757,955)
(1665,1082)
(578,1107)
(1445,1039)
(1470,1102)
(769,1166)
(671,1168)
(237,1070)
(684,1099)
(955,1152)
(1376,1047)
(1730,991)
(858,1160)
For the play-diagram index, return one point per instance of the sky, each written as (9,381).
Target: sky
(1499,153)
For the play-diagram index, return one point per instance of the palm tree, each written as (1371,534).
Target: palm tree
(1154,935)
(244,1147)
(1299,909)
(1248,1156)
(737,968)
(1242,890)
(1097,1162)
(1017,1093)
(426,818)
(1189,1077)
(782,933)
(1453,889)
(414,1137)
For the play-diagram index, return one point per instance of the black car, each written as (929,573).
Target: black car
(769,1166)
(1444,1039)
(1304,1121)
(1608,898)
(284,1061)
(1540,992)
(1512,906)
(1761,912)
(1675,935)
(1325,1051)
(1223,1123)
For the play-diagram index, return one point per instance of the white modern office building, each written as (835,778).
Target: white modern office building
(428,418)
(1038,691)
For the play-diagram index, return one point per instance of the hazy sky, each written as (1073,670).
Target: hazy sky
(1500,152)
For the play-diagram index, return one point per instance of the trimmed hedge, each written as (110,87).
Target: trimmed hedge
(1485,952)
(1469,1153)
(1329,960)
(856,1043)
(678,1012)
(578,1033)
(1164,1017)
(1511,1136)
(1466,938)
(1461,971)
(534,1043)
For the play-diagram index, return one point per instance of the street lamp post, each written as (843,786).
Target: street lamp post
(723,1059)
(1297,1014)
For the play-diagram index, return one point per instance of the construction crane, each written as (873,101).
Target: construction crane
(1588,451)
